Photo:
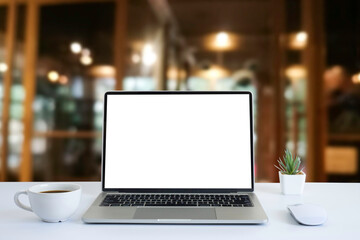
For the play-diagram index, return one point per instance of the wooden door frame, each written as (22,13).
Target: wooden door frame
(314,56)
(9,46)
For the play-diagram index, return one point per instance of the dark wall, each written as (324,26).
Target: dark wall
(342,26)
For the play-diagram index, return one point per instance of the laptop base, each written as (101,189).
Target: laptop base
(176,215)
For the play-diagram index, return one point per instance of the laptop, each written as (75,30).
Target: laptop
(177,157)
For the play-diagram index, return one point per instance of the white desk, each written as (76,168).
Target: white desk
(341,200)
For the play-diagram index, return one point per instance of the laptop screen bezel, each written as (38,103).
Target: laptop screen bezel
(175,190)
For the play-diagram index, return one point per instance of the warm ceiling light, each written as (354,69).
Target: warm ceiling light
(63,79)
(175,73)
(86,60)
(148,55)
(298,40)
(53,76)
(102,71)
(222,40)
(3,67)
(172,73)
(214,72)
(301,37)
(295,72)
(356,78)
(135,58)
(75,47)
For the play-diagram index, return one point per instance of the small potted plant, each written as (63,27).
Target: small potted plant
(292,179)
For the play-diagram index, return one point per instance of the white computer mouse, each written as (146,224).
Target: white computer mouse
(308,214)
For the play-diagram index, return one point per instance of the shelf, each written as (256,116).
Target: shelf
(344,137)
(68,134)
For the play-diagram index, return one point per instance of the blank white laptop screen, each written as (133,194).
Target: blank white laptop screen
(178,141)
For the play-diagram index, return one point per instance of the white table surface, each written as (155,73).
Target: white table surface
(341,200)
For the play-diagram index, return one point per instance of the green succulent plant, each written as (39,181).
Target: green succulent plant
(289,165)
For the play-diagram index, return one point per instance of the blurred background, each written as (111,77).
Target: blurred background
(300,58)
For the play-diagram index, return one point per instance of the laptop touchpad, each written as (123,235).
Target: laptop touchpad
(175,213)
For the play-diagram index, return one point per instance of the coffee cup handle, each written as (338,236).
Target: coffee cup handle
(18,203)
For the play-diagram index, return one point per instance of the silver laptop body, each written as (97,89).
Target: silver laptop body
(177,158)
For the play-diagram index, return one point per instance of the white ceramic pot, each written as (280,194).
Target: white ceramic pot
(292,184)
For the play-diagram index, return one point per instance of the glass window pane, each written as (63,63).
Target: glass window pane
(143,45)
(17,96)
(61,159)
(341,80)
(75,65)
(75,68)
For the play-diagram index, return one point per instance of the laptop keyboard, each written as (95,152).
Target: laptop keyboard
(177,200)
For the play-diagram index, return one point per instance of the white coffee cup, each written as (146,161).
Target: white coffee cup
(51,207)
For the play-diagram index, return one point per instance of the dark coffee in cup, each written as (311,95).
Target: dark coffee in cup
(55,191)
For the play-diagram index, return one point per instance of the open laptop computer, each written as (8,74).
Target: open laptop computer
(177,157)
